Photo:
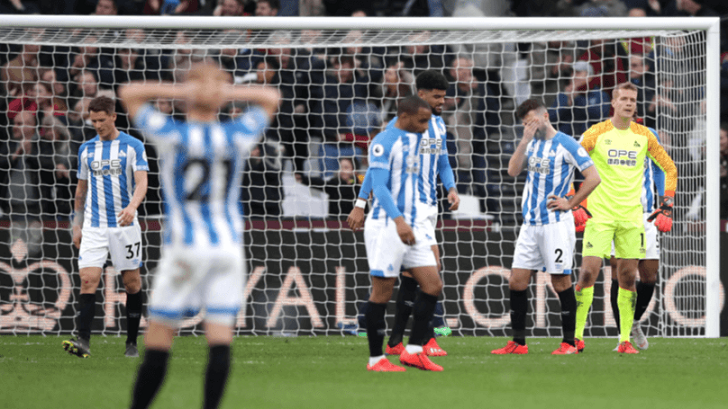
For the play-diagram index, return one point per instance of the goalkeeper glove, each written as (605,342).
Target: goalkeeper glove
(663,215)
(581,214)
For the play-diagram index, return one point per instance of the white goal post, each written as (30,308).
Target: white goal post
(322,297)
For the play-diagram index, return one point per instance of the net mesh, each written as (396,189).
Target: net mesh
(307,273)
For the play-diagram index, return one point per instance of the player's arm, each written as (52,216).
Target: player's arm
(591,181)
(126,216)
(447,177)
(267,98)
(663,215)
(518,160)
(380,177)
(79,205)
(356,216)
(135,94)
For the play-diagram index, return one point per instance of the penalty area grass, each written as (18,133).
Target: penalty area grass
(330,372)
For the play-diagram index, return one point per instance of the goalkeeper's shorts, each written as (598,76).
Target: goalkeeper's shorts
(652,240)
(628,237)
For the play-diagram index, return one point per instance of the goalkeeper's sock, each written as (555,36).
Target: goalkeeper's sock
(218,368)
(133,316)
(626,300)
(584,298)
(149,378)
(405,301)
(86,311)
(644,296)
(519,310)
(375,327)
(568,314)
(613,293)
(422,312)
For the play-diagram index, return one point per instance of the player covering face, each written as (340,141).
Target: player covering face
(202,265)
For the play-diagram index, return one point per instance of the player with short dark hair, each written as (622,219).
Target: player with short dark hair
(547,237)
(619,147)
(431,87)
(393,237)
(202,265)
(114,165)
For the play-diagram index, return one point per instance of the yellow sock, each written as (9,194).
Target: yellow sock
(626,301)
(584,298)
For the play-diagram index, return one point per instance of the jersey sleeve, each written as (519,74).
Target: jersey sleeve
(379,153)
(155,124)
(658,155)
(589,140)
(380,177)
(141,162)
(82,162)
(447,176)
(658,176)
(366,186)
(577,154)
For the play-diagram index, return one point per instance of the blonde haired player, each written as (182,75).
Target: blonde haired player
(202,263)
(618,147)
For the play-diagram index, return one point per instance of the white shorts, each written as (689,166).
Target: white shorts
(427,222)
(387,254)
(651,240)
(124,244)
(189,279)
(548,247)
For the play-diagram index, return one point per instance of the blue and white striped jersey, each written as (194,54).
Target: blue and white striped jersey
(396,152)
(109,168)
(433,160)
(201,168)
(550,165)
(654,182)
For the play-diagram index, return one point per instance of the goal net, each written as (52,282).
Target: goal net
(340,79)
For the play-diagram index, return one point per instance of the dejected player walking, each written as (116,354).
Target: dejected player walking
(618,147)
(112,183)
(547,237)
(202,265)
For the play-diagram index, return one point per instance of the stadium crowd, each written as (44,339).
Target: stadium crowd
(336,99)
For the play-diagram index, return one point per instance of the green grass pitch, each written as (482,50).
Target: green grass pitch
(330,372)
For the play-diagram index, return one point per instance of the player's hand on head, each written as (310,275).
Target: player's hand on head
(558,203)
(529,130)
(356,219)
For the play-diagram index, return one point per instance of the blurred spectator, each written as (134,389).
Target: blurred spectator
(89,58)
(724,170)
(170,7)
(639,45)
(58,88)
(267,8)
(19,163)
(641,76)
(578,107)
(310,8)
(48,104)
(86,89)
(106,8)
(22,71)
(239,61)
(651,8)
(607,58)
(342,189)
(398,83)
(420,56)
(689,8)
(19,7)
(56,163)
(26,102)
(602,8)
(229,8)
(342,87)
(471,112)
(262,192)
(724,87)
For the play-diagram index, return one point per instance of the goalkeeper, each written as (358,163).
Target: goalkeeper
(618,147)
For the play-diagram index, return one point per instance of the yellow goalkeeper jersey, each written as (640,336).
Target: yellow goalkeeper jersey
(619,156)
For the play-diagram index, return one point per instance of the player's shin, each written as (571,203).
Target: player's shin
(519,311)
(133,316)
(376,326)
(644,296)
(568,314)
(149,378)
(218,369)
(626,300)
(613,296)
(405,301)
(423,311)
(584,298)
(86,311)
